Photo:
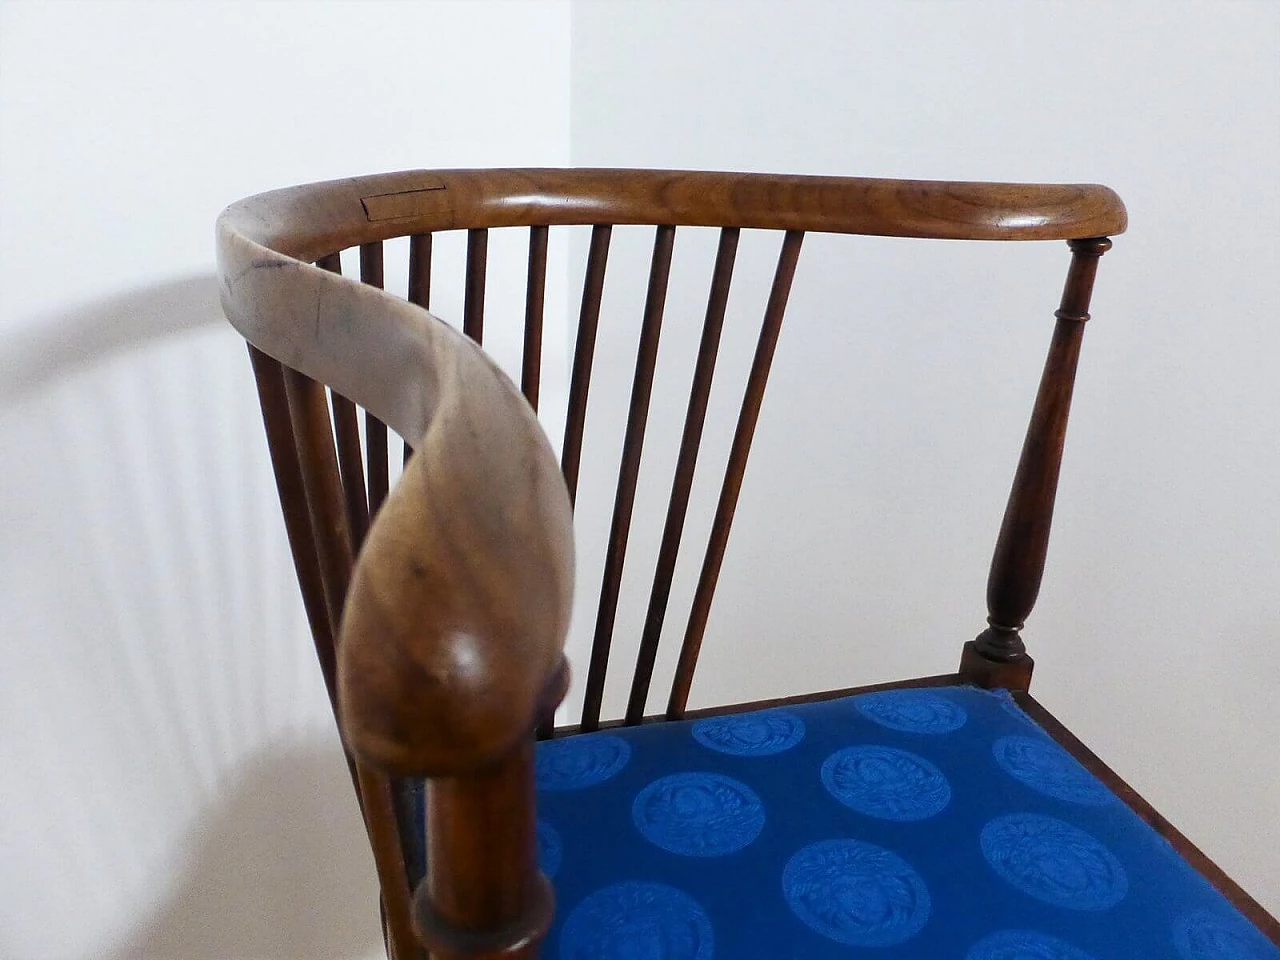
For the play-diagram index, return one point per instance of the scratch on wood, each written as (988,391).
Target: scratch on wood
(406,203)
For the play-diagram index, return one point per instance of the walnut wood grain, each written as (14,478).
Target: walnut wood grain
(322,217)
(453,624)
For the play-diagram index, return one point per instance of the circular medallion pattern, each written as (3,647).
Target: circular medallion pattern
(1054,862)
(1024,945)
(577,762)
(1206,936)
(856,893)
(886,783)
(550,849)
(637,921)
(751,734)
(698,814)
(1048,769)
(912,711)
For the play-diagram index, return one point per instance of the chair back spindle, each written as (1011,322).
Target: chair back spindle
(732,485)
(682,485)
(281,446)
(535,302)
(375,431)
(583,354)
(330,513)
(628,472)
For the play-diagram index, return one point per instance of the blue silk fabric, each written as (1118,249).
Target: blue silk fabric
(931,824)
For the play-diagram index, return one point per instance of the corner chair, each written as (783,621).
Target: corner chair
(938,817)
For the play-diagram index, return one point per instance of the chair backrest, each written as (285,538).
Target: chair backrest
(439,608)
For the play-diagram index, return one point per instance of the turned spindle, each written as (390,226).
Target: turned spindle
(998,657)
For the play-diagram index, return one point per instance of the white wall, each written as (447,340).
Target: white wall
(172,785)
(905,371)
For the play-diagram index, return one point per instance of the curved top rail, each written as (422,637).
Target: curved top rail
(313,220)
(464,583)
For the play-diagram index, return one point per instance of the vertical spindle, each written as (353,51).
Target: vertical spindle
(473,298)
(375,431)
(678,506)
(628,473)
(753,397)
(583,354)
(535,297)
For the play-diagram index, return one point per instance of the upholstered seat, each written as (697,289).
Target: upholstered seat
(915,823)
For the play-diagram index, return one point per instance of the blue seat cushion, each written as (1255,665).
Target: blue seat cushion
(937,823)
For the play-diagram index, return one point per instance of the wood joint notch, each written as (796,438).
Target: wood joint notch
(406,204)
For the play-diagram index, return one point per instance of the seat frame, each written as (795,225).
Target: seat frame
(439,608)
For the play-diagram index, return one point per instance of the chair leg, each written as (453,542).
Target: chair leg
(998,657)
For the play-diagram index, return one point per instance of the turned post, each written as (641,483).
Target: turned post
(451,653)
(998,657)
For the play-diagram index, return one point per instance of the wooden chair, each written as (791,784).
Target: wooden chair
(439,610)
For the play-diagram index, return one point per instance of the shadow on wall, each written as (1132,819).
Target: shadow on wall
(60,346)
(266,872)
(159,702)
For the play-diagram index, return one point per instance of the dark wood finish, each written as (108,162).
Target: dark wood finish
(322,487)
(732,486)
(686,461)
(998,657)
(420,270)
(583,354)
(297,519)
(371,264)
(376,453)
(535,297)
(628,472)
(375,431)
(485,824)
(473,299)
(747,706)
(444,642)
(990,673)
(316,219)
